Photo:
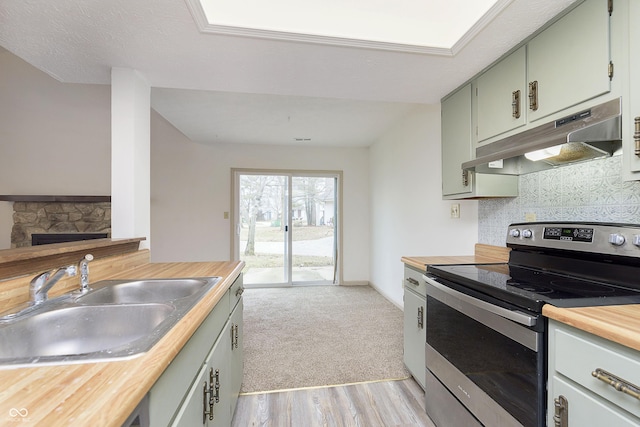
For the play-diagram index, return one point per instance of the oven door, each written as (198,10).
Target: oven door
(487,354)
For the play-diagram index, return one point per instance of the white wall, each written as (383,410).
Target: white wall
(55,138)
(191,190)
(408,215)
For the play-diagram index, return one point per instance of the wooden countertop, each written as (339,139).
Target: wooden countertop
(617,323)
(484,254)
(105,393)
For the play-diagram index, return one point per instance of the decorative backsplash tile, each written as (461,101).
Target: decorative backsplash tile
(589,191)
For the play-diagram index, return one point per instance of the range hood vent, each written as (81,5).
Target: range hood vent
(585,135)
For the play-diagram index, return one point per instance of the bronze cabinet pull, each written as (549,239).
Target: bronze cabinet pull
(515,104)
(533,95)
(616,382)
(561,412)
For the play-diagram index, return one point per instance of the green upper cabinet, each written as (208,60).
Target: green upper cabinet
(456,141)
(569,61)
(631,103)
(502,96)
(457,147)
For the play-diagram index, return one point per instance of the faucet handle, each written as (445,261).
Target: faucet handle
(71,270)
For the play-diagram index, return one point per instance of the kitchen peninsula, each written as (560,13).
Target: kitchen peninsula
(103,393)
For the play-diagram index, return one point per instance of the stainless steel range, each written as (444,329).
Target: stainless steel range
(486,350)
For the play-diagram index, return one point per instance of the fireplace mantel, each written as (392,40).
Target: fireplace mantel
(60,199)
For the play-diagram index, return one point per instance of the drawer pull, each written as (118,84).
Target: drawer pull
(413,281)
(560,412)
(239,291)
(617,383)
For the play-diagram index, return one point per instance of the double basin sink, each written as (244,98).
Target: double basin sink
(115,319)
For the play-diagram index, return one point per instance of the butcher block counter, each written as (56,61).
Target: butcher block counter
(617,323)
(484,254)
(106,393)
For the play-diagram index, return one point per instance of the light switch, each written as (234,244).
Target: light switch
(226,215)
(455,210)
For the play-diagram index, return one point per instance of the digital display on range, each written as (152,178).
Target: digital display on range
(574,234)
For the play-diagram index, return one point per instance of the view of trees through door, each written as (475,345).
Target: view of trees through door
(286,228)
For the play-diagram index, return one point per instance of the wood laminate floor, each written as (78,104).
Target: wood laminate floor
(372,404)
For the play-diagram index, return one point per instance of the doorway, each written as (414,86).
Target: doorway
(286,226)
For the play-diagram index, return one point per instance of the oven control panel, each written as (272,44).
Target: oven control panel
(604,238)
(577,234)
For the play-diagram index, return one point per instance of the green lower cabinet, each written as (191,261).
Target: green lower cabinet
(201,385)
(208,402)
(588,377)
(415,332)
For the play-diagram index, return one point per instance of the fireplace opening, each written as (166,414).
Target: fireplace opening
(48,238)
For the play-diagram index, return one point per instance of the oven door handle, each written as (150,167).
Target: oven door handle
(516,316)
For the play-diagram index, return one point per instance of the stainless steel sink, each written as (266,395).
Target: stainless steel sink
(145,291)
(117,319)
(80,331)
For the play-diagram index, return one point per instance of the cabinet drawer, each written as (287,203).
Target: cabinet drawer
(235,292)
(413,280)
(578,354)
(586,409)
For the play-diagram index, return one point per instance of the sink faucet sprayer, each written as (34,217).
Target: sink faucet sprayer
(83,265)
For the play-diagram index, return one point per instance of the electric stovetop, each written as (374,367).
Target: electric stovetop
(531,288)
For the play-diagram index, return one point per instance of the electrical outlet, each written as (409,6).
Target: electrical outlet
(226,215)
(530,217)
(455,210)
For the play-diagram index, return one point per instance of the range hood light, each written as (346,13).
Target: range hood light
(545,153)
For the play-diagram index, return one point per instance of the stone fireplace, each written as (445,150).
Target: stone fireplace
(78,218)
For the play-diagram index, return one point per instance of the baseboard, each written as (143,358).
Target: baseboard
(356,283)
(381,292)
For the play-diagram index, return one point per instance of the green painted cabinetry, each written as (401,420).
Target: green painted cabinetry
(457,146)
(574,357)
(415,328)
(207,373)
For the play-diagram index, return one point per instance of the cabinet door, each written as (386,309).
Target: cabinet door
(585,408)
(570,59)
(192,412)
(501,94)
(415,334)
(219,368)
(237,354)
(215,371)
(631,160)
(456,141)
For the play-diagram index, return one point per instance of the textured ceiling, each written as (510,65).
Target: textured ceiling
(79,41)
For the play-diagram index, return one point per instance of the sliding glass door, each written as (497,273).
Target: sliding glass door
(285,227)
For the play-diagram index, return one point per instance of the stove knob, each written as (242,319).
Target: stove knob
(616,239)
(514,233)
(636,240)
(527,234)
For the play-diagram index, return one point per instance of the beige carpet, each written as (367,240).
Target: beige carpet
(319,335)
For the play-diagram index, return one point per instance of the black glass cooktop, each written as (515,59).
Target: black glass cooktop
(532,288)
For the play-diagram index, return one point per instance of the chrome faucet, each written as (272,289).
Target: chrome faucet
(42,283)
(83,265)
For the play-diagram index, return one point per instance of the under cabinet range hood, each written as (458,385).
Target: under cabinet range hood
(585,135)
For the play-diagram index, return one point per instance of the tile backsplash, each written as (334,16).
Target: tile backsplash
(589,191)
